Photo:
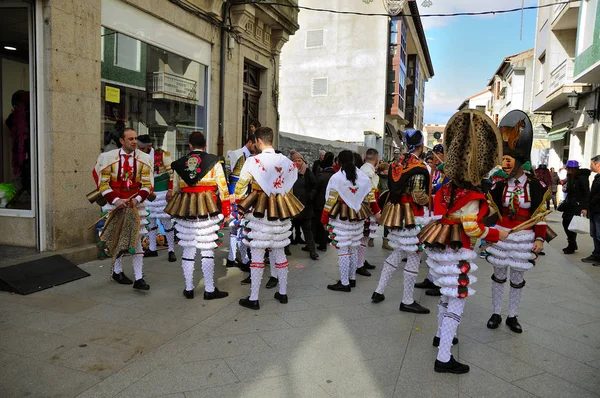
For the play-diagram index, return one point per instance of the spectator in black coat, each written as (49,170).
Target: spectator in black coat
(305,189)
(321,236)
(317,167)
(593,213)
(577,188)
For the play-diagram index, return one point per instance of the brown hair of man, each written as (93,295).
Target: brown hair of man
(197,140)
(265,134)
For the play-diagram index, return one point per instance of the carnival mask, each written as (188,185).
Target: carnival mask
(510,165)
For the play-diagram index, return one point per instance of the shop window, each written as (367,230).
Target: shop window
(152,91)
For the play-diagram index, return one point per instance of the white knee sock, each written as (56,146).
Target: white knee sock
(361,252)
(450,323)
(442,308)
(188,261)
(243,252)
(389,267)
(344,263)
(118,265)
(170,232)
(411,271)
(354,264)
(498,289)
(138,261)
(257,268)
(281,265)
(208,270)
(152,234)
(514,297)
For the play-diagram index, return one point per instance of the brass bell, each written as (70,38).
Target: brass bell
(344,212)
(290,205)
(456,237)
(409,216)
(261,205)
(432,237)
(442,237)
(211,204)
(273,214)
(183,207)
(248,202)
(335,210)
(192,211)
(352,216)
(172,202)
(284,212)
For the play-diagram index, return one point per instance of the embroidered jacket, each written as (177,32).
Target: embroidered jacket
(163,174)
(121,176)
(409,182)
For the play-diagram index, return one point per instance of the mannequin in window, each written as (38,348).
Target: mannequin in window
(18,125)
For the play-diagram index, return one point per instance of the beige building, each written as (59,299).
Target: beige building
(75,72)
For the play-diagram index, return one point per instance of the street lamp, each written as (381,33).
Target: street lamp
(573,103)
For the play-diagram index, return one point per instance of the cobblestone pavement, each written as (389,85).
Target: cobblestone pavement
(95,338)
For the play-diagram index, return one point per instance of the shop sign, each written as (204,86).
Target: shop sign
(112,94)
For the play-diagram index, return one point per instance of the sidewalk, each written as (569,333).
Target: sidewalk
(95,338)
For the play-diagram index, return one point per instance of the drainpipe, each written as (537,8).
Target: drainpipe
(226,5)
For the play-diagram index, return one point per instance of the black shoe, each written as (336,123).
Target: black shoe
(377,297)
(415,308)
(541,254)
(272,282)
(294,242)
(338,287)
(322,248)
(568,250)
(314,256)
(188,294)
(141,284)
(452,366)
(172,257)
(368,266)
(426,284)
(121,278)
(352,283)
(282,298)
(514,324)
(243,267)
(150,253)
(433,292)
(494,322)
(591,259)
(436,341)
(246,281)
(287,251)
(305,249)
(596,265)
(230,264)
(363,271)
(217,294)
(252,304)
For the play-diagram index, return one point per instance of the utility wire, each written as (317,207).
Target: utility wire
(456,14)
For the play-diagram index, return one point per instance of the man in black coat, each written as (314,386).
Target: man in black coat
(593,213)
(577,189)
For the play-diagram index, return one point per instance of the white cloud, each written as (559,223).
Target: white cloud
(441,103)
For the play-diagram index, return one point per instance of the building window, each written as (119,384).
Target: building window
(480,108)
(588,21)
(315,38)
(152,91)
(542,64)
(319,87)
(497,91)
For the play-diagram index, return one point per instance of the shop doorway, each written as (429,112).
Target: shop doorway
(251,99)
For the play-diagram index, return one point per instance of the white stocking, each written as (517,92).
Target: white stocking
(170,233)
(344,263)
(442,308)
(233,243)
(354,264)
(188,261)
(361,252)
(257,268)
(449,325)
(498,289)
(514,298)
(389,267)
(411,271)
(208,270)
(281,264)
(152,234)
(118,265)
(138,261)
(272,260)
(243,252)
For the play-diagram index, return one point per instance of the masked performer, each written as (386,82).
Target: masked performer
(267,211)
(344,215)
(124,178)
(473,148)
(199,182)
(406,214)
(517,198)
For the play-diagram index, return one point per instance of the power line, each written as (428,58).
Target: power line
(456,14)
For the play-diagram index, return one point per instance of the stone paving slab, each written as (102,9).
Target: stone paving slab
(95,338)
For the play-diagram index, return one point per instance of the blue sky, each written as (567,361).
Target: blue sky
(466,51)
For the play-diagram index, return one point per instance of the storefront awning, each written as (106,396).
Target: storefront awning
(558,132)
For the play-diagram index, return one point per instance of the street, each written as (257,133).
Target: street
(95,338)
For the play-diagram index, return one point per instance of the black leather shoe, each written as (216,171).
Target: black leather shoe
(596,265)
(377,297)
(314,256)
(287,251)
(514,324)
(436,341)
(121,278)
(272,282)
(246,281)
(426,284)
(150,253)
(322,248)
(452,366)
(230,264)
(591,259)
(217,294)
(172,257)
(433,292)
(141,284)
(252,304)
(368,266)
(568,250)
(352,283)
(494,322)
(363,271)
(282,298)
(338,287)
(243,267)
(415,308)
(188,294)
(541,254)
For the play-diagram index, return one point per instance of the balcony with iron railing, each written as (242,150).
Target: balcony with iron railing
(167,85)
(558,86)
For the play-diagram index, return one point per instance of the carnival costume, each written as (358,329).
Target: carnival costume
(406,213)
(199,183)
(119,175)
(235,162)
(163,183)
(347,207)
(370,228)
(267,211)
(516,200)
(472,148)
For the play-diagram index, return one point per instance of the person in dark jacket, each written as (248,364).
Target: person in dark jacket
(317,167)
(321,236)
(577,189)
(305,190)
(554,187)
(593,213)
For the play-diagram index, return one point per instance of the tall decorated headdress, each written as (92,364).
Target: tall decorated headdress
(517,136)
(472,146)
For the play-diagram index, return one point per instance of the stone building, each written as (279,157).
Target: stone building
(75,72)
